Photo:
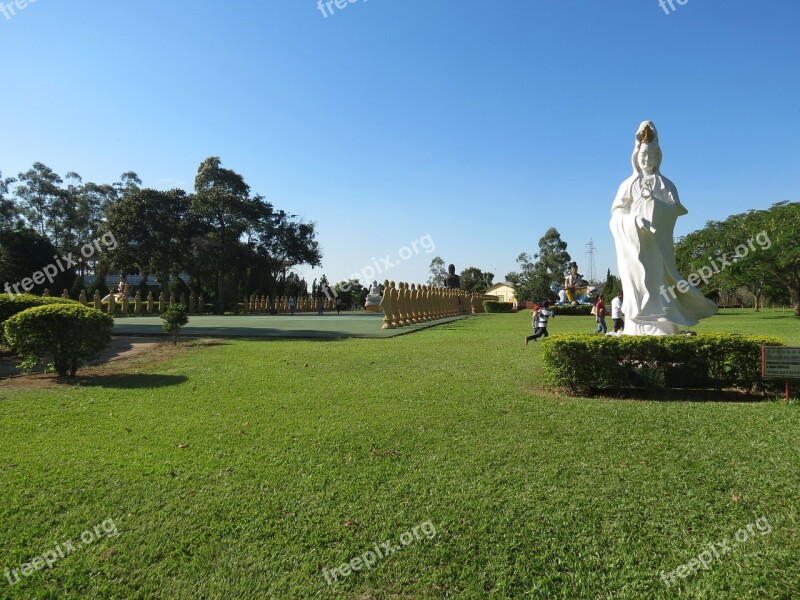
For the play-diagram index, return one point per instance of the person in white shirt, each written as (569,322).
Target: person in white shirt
(539,322)
(616,312)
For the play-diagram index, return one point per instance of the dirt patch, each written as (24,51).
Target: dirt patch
(124,354)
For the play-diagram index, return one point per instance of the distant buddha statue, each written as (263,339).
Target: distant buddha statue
(452,281)
(656,299)
(373,303)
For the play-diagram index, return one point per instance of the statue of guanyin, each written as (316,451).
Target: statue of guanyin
(656,299)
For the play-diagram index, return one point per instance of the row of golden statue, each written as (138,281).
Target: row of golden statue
(263,304)
(402,303)
(407,304)
(114,303)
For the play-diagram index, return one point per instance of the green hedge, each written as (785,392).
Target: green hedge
(579,310)
(492,306)
(69,334)
(588,363)
(11,305)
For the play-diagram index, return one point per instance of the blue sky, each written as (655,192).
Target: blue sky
(474,125)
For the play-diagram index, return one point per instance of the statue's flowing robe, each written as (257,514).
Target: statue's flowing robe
(653,301)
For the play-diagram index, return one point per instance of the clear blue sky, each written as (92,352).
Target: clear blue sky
(478,124)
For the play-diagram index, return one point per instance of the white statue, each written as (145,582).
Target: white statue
(656,298)
(373,298)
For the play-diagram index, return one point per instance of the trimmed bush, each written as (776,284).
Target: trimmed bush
(11,305)
(67,333)
(174,317)
(579,310)
(587,363)
(492,306)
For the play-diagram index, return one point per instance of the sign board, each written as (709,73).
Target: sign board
(780,362)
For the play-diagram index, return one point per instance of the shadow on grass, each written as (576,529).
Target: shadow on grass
(121,381)
(686,395)
(662,395)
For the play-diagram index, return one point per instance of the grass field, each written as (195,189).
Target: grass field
(250,469)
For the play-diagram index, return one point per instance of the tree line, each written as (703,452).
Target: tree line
(230,242)
(758,250)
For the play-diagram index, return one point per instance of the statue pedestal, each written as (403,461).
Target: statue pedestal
(373,303)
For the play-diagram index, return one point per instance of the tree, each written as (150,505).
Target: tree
(323,288)
(222,204)
(551,263)
(43,201)
(10,215)
(278,241)
(612,286)
(475,280)
(438,272)
(153,230)
(23,253)
(293,285)
(89,202)
(128,183)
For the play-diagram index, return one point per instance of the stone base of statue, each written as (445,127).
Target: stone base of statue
(373,303)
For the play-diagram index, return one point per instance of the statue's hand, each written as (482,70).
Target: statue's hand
(643,223)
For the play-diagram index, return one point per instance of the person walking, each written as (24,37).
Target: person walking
(292,304)
(616,313)
(600,316)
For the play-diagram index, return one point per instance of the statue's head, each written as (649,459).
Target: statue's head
(451,269)
(573,267)
(648,158)
(646,148)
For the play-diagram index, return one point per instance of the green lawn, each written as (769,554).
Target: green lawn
(249,469)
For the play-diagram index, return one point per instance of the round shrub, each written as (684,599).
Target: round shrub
(11,305)
(174,317)
(67,333)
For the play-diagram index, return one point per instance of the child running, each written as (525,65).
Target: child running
(539,322)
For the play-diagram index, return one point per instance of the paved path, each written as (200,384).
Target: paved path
(305,325)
